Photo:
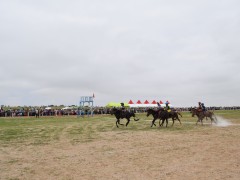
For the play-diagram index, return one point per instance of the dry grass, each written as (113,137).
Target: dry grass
(93,148)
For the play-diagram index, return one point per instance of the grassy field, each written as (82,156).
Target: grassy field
(45,130)
(94,148)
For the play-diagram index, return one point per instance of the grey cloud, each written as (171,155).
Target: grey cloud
(56,51)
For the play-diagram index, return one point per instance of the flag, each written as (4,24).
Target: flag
(93,95)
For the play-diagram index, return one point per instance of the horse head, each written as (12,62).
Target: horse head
(149,111)
(113,110)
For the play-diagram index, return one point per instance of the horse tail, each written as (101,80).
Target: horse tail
(133,114)
(179,113)
(136,119)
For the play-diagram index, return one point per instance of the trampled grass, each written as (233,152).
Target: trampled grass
(29,130)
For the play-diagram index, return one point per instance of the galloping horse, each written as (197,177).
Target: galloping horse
(155,114)
(120,114)
(174,116)
(163,115)
(202,114)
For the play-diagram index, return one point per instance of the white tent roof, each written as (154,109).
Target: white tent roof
(142,105)
(164,105)
(147,105)
(66,108)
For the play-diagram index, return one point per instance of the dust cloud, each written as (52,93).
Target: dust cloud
(222,122)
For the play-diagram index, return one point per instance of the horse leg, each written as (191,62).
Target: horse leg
(153,122)
(159,122)
(197,121)
(117,123)
(173,121)
(128,120)
(212,120)
(166,122)
(120,123)
(162,122)
(179,121)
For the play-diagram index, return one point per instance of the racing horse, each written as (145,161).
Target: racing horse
(202,114)
(155,114)
(163,115)
(121,114)
(174,116)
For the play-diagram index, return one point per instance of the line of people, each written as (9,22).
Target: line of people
(11,112)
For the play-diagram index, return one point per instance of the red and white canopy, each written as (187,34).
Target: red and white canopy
(147,104)
(130,102)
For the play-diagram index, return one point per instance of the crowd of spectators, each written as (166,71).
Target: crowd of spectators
(13,112)
(34,111)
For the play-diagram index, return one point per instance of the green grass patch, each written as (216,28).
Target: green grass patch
(46,130)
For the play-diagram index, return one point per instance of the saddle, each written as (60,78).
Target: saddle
(199,110)
(168,110)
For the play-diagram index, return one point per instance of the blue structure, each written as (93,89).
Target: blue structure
(86,101)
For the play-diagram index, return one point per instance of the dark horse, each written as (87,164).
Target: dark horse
(163,115)
(120,114)
(202,114)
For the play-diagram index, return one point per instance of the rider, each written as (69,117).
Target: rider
(159,105)
(200,106)
(167,108)
(122,108)
(203,107)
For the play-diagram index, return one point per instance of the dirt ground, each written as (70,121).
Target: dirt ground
(205,153)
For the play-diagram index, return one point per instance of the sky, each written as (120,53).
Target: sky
(55,51)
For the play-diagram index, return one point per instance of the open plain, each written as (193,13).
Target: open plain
(93,148)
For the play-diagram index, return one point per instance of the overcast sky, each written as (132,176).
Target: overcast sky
(54,51)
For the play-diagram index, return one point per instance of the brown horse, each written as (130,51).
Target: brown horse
(163,115)
(203,114)
(120,114)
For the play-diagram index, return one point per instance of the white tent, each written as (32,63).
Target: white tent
(142,105)
(164,105)
(65,108)
(147,105)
